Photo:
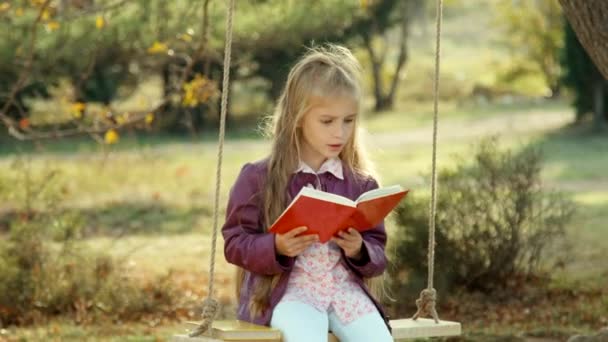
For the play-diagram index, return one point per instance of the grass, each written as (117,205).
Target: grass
(151,206)
(61,330)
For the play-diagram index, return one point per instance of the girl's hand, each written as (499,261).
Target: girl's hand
(350,241)
(291,245)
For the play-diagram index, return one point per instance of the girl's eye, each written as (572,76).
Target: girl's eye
(349,120)
(326,122)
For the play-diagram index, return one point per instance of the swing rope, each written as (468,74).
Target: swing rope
(210,304)
(428,296)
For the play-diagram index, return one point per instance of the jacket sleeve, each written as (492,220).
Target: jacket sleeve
(245,242)
(373,258)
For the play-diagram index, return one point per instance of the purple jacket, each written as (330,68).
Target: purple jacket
(246,246)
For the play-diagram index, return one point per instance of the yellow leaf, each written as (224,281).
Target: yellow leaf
(197,91)
(52,25)
(78,106)
(158,47)
(19,12)
(111,137)
(363,4)
(77,109)
(5,6)
(185,37)
(45,15)
(100,22)
(149,118)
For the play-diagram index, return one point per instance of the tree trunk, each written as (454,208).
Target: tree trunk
(598,105)
(385,101)
(376,72)
(403,54)
(589,19)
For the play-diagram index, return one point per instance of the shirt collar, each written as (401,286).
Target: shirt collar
(332,165)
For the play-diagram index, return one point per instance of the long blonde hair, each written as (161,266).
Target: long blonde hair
(322,72)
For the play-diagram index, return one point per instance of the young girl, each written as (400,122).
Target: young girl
(291,281)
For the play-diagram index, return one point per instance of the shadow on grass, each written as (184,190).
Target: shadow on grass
(133,218)
(143,218)
(580,151)
(128,141)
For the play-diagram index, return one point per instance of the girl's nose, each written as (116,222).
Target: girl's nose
(340,131)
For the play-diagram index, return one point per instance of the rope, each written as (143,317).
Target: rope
(210,305)
(428,296)
(426,305)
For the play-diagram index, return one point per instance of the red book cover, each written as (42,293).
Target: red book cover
(325,214)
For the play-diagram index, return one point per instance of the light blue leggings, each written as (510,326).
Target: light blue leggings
(301,322)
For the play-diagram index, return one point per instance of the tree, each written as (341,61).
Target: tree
(267,50)
(105,46)
(101,47)
(382,16)
(580,74)
(535,36)
(588,19)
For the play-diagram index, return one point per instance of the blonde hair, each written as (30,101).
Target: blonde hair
(323,72)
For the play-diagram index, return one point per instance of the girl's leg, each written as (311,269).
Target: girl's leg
(300,322)
(370,327)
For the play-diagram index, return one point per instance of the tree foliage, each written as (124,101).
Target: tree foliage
(534,35)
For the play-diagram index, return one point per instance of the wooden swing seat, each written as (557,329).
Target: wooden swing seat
(238,331)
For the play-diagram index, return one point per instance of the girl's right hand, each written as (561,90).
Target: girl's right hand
(291,245)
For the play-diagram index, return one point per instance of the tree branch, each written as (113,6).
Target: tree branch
(27,68)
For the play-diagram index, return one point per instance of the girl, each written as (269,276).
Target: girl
(291,281)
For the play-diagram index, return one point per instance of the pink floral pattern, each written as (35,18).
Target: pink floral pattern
(320,279)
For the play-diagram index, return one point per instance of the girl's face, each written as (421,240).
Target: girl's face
(326,128)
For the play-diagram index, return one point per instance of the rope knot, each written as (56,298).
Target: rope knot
(210,309)
(426,304)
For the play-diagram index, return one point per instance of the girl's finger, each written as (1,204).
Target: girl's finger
(303,244)
(306,238)
(295,232)
(344,244)
(299,249)
(349,236)
(354,232)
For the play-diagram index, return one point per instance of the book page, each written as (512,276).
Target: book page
(325,196)
(380,192)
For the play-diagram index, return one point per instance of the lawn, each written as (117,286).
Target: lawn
(150,204)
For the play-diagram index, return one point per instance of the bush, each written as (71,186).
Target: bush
(47,270)
(495,224)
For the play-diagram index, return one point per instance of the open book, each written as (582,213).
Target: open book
(326,213)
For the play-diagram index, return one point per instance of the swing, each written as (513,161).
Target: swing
(234,330)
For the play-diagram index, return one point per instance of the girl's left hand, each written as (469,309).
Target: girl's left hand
(350,241)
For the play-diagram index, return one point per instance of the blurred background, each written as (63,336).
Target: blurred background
(110,115)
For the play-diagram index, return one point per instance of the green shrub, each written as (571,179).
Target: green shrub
(47,270)
(495,224)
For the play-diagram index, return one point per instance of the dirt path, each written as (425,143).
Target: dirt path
(470,129)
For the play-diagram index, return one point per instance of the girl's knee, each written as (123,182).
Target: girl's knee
(370,327)
(299,322)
